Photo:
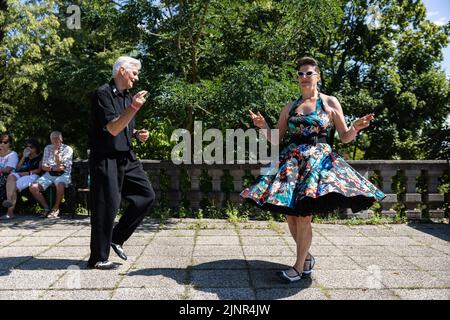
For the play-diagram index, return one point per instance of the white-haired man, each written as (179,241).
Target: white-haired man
(57,165)
(115,171)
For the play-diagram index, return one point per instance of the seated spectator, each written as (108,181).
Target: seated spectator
(57,165)
(8,162)
(27,171)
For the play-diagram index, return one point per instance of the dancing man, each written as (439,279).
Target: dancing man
(115,171)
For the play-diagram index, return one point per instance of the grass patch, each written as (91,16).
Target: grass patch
(375,219)
(234,215)
(200,224)
(272,225)
(239,214)
(324,290)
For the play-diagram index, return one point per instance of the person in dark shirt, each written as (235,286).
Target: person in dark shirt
(27,171)
(114,169)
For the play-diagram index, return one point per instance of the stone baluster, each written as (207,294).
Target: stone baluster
(391,197)
(255,172)
(217,195)
(195,193)
(365,172)
(434,198)
(153,175)
(412,198)
(237,175)
(363,214)
(370,173)
(174,193)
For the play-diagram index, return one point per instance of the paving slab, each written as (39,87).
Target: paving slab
(385,263)
(244,293)
(96,294)
(78,278)
(170,241)
(291,294)
(168,250)
(29,279)
(362,294)
(24,294)
(37,241)
(212,263)
(154,278)
(409,279)
(220,278)
(217,251)
(218,240)
(7,240)
(349,279)
(162,293)
(423,294)
(156,262)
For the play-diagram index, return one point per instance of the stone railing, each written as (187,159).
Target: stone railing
(175,184)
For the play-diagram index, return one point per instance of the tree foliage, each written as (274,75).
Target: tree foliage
(213,60)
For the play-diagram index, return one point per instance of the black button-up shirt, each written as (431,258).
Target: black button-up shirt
(107,104)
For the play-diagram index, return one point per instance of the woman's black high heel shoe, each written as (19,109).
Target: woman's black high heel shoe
(308,266)
(285,276)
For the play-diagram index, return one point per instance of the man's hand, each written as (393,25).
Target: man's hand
(141,135)
(57,168)
(139,98)
(117,125)
(56,155)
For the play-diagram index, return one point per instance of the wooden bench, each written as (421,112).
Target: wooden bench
(84,194)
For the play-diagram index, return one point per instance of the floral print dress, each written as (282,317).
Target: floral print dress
(311,178)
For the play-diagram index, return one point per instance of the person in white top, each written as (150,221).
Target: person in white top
(8,162)
(57,165)
(27,171)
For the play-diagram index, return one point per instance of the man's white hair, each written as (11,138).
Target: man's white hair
(125,62)
(56,134)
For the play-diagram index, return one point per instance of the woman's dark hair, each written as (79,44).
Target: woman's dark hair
(9,137)
(310,62)
(35,144)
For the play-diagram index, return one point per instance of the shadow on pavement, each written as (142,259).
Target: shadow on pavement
(438,230)
(36,222)
(7,264)
(222,276)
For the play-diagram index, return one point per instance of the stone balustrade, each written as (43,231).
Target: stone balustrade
(195,183)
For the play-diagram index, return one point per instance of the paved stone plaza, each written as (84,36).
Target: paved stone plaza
(215,259)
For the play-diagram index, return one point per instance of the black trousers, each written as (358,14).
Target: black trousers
(113,177)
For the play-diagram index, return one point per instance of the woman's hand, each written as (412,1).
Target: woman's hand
(363,122)
(258,120)
(26,152)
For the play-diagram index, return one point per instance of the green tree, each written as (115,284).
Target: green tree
(383,58)
(29,47)
(213,60)
(57,67)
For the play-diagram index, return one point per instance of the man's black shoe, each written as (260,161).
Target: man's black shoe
(119,251)
(104,265)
